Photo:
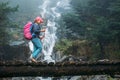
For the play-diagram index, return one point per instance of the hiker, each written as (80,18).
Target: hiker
(36,38)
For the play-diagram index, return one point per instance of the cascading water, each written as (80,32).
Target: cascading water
(50,37)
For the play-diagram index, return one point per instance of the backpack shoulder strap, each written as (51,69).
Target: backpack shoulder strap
(31,28)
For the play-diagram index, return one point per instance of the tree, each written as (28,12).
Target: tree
(98,21)
(5,10)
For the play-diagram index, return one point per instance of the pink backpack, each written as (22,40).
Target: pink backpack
(27,31)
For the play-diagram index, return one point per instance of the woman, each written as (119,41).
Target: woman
(36,29)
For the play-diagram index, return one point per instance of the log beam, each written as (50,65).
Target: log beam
(20,68)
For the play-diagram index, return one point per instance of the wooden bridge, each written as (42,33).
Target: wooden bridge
(67,68)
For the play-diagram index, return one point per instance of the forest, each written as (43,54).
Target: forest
(91,29)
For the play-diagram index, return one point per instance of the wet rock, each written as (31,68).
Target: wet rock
(16,52)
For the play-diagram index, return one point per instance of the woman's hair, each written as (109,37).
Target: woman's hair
(38,19)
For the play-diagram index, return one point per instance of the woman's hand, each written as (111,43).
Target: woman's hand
(41,37)
(43,30)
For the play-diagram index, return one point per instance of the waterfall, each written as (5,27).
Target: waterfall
(50,34)
(49,10)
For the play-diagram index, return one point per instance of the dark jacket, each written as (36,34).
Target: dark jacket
(35,30)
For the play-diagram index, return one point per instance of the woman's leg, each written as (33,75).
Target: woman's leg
(37,46)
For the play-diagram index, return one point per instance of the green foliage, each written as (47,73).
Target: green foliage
(78,48)
(75,24)
(5,10)
(73,47)
(98,21)
(62,45)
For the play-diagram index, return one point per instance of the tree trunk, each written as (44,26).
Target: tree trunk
(19,69)
(102,51)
